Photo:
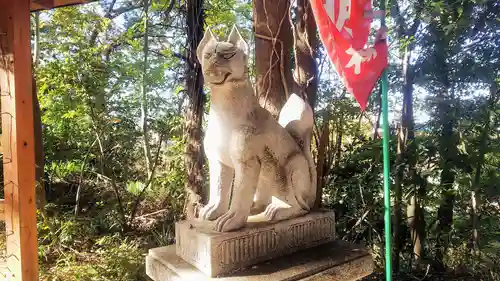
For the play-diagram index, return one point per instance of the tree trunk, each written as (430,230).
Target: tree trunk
(376,126)
(415,218)
(36,51)
(40,188)
(144,102)
(39,155)
(407,150)
(483,144)
(305,43)
(194,156)
(398,198)
(417,227)
(444,50)
(98,106)
(306,71)
(321,174)
(447,151)
(273,39)
(40,184)
(338,143)
(402,154)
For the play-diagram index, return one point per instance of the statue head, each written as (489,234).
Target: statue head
(223,62)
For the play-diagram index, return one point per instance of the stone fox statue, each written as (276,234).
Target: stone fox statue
(270,161)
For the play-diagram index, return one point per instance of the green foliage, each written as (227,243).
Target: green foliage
(111,258)
(135,187)
(61,170)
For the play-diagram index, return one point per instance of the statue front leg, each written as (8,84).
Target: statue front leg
(245,184)
(221,178)
(263,196)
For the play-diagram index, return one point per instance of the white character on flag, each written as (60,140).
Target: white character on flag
(343,15)
(329,6)
(358,57)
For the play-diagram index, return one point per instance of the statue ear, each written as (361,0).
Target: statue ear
(236,39)
(208,37)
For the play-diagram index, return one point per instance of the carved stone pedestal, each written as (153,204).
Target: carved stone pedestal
(289,250)
(334,261)
(218,253)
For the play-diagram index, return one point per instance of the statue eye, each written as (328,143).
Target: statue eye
(207,55)
(228,56)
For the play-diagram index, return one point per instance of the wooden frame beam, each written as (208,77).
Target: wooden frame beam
(46,4)
(37,5)
(18,140)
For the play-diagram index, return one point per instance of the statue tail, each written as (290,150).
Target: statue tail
(297,118)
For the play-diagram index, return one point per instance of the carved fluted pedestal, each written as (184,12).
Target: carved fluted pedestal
(299,249)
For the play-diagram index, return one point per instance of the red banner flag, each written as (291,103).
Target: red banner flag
(344,26)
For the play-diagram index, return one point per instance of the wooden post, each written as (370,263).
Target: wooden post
(18,139)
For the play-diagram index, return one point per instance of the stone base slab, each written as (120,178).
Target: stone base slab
(218,253)
(334,261)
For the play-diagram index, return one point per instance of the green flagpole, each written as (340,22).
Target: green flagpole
(387,186)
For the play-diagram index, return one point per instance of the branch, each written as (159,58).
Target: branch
(122,10)
(183,58)
(153,213)
(113,182)
(93,37)
(79,189)
(144,104)
(400,23)
(169,8)
(360,220)
(401,30)
(159,54)
(139,197)
(419,7)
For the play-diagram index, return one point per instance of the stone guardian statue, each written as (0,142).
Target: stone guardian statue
(257,165)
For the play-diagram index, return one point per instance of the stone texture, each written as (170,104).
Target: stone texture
(329,262)
(352,270)
(217,253)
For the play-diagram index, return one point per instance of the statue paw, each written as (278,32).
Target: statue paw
(212,211)
(275,212)
(230,221)
(271,211)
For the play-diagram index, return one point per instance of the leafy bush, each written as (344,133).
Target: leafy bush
(111,258)
(75,251)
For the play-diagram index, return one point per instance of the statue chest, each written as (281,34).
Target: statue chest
(217,138)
